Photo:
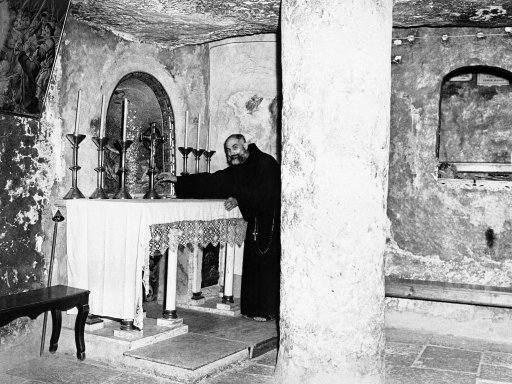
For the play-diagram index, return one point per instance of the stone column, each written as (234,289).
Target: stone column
(336,105)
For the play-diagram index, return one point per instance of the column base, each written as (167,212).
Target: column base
(126,325)
(197,296)
(167,314)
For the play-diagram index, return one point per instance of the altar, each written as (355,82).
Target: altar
(109,243)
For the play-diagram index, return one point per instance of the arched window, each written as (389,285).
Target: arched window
(148,103)
(475,124)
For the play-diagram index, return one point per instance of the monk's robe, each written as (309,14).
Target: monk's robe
(256,185)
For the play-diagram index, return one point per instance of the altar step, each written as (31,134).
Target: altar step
(106,342)
(213,344)
(213,305)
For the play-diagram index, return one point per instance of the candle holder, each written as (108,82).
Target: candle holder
(122,147)
(185,152)
(150,138)
(99,193)
(172,152)
(208,157)
(197,154)
(74,192)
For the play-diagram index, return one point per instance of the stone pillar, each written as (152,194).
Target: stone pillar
(336,106)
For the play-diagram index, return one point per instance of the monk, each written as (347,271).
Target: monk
(251,182)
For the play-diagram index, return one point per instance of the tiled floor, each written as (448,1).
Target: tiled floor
(411,358)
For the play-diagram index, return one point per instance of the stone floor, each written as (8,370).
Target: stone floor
(411,358)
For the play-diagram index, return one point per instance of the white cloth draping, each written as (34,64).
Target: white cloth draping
(108,246)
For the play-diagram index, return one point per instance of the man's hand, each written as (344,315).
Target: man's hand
(164,177)
(230,203)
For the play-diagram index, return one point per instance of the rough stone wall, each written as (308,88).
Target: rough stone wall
(29,167)
(442,229)
(34,157)
(243,93)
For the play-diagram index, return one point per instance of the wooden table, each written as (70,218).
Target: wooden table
(55,299)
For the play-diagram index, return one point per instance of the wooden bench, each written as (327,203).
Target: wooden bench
(55,299)
(449,292)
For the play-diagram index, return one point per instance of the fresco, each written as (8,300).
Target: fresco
(29,40)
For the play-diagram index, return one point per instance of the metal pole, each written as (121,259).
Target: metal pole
(57,218)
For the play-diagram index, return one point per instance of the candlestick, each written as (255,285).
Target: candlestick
(197,153)
(77,113)
(74,192)
(100,143)
(122,146)
(125,119)
(198,129)
(102,118)
(185,152)
(208,156)
(172,154)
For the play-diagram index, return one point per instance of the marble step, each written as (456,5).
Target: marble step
(214,306)
(187,358)
(109,343)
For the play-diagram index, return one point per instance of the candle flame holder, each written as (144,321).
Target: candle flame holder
(122,147)
(185,152)
(208,157)
(197,154)
(100,193)
(74,192)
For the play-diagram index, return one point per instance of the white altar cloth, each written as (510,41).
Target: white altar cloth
(108,246)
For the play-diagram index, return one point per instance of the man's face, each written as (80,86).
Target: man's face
(236,151)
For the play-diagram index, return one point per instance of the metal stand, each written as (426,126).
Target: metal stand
(151,138)
(74,192)
(122,147)
(208,156)
(197,154)
(99,193)
(57,218)
(185,152)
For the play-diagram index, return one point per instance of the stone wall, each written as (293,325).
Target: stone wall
(35,156)
(440,227)
(243,93)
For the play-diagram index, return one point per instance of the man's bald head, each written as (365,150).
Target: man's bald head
(236,150)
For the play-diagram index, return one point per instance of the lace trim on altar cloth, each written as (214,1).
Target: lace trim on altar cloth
(224,231)
(202,232)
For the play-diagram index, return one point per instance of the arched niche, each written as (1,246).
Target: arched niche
(148,103)
(474,138)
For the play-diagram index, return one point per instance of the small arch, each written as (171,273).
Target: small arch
(474,139)
(148,103)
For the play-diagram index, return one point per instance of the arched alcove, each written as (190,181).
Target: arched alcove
(148,103)
(475,119)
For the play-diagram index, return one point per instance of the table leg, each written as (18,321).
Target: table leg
(56,326)
(83,311)
(222,264)
(197,263)
(170,284)
(228,274)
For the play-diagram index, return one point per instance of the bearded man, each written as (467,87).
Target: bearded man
(252,182)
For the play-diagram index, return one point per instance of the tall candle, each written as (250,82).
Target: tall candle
(102,118)
(77,116)
(125,118)
(208,135)
(186,129)
(198,129)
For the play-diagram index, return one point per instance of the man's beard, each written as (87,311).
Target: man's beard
(236,160)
